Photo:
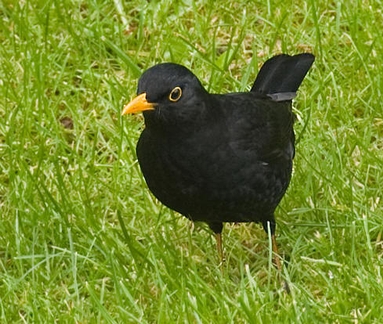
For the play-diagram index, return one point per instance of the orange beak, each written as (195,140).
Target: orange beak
(138,104)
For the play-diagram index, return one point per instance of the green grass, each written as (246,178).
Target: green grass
(81,238)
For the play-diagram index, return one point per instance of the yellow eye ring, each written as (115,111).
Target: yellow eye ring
(175,94)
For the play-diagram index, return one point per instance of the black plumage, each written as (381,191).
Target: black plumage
(219,157)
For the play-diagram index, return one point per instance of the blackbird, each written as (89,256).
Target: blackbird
(219,157)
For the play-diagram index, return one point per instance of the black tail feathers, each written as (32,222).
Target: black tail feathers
(281,76)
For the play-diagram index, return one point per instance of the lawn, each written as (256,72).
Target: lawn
(82,240)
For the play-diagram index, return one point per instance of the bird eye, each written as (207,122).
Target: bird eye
(175,94)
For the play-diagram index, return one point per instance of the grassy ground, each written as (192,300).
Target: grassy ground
(82,240)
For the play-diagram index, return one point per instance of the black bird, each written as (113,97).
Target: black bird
(219,157)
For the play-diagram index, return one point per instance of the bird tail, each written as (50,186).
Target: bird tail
(281,76)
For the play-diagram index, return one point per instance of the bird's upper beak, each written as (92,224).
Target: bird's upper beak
(138,104)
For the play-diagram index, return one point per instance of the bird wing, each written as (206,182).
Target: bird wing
(261,129)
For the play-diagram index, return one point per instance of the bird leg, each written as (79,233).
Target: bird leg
(217,229)
(218,237)
(277,261)
(276,257)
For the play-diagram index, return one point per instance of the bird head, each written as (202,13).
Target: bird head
(168,93)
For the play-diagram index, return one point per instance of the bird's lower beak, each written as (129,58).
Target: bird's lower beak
(138,104)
